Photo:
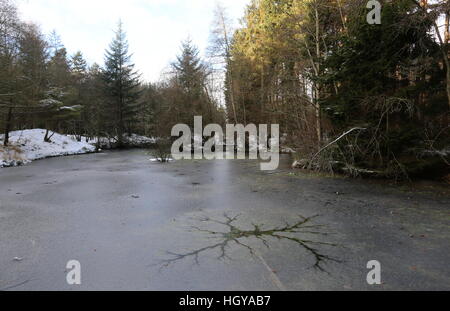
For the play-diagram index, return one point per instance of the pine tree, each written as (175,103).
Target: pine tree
(121,85)
(191,73)
(79,76)
(189,68)
(95,102)
(78,66)
(54,42)
(33,60)
(59,70)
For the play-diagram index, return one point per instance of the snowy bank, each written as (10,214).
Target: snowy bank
(130,141)
(28,145)
(139,141)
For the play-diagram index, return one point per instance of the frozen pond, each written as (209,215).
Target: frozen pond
(212,225)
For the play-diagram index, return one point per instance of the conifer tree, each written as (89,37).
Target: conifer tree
(191,73)
(78,66)
(121,85)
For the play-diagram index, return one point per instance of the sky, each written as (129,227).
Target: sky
(155,28)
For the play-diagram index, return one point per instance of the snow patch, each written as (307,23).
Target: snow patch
(28,145)
(132,141)
(154,160)
(138,141)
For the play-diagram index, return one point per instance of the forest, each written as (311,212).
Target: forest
(350,97)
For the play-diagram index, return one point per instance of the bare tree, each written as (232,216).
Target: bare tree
(220,48)
(436,11)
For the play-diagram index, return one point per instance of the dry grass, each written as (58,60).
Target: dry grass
(11,154)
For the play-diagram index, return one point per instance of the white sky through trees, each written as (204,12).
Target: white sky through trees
(155,28)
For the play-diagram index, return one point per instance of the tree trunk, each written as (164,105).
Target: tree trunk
(8,126)
(210,104)
(318,119)
(229,64)
(317,100)
(446,41)
(262,98)
(120,125)
(46,138)
(448,85)
(443,43)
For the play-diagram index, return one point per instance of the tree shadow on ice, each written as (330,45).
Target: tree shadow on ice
(294,233)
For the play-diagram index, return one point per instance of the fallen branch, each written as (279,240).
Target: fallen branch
(336,140)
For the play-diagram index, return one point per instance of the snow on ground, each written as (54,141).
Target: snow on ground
(28,145)
(131,141)
(154,160)
(137,141)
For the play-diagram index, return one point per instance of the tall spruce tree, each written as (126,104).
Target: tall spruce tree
(79,66)
(121,85)
(191,73)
